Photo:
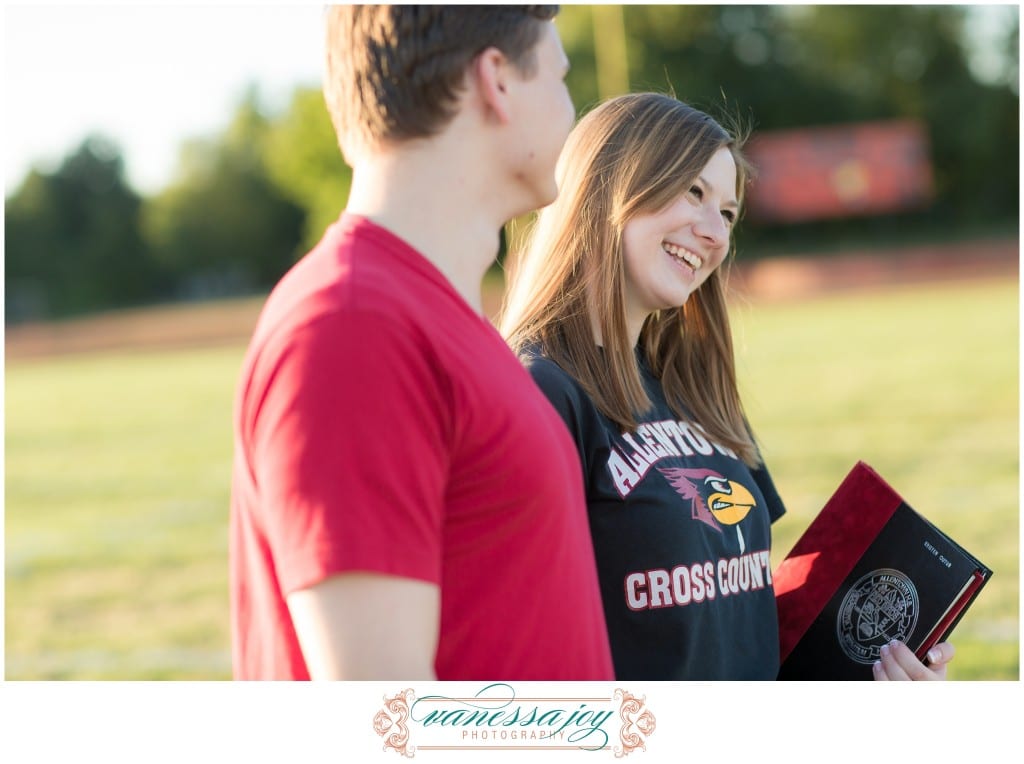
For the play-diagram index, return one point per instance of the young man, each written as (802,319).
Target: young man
(405,502)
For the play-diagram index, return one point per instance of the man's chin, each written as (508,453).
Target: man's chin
(548,196)
(540,199)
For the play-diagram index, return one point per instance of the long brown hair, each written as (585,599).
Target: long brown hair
(631,155)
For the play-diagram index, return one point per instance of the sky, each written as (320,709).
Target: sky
(149,76)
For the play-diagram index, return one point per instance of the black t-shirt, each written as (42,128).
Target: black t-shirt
(682,532)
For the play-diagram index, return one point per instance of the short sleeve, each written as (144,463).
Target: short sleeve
(349,451)
(776,507)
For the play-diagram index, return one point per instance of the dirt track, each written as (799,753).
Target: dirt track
(776,278)
(786,277)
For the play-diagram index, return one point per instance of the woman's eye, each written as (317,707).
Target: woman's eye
(730,216)
(697,191)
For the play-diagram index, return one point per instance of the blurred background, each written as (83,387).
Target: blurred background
(166,165)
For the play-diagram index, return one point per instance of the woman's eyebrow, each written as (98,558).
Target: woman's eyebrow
(709,186)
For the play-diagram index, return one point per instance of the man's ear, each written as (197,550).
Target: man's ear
(491,70)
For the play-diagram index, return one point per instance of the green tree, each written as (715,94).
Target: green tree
(304,160)
(917,67)
(72,238)
(779,67)
(223,226)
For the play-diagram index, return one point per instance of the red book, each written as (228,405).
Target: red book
(868,570)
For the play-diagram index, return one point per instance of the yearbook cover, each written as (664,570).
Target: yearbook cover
(868,570)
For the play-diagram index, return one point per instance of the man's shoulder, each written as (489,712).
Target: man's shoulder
(356,269)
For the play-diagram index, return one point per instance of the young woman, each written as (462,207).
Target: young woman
(618,309)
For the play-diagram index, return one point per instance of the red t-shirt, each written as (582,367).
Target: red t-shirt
(382,425)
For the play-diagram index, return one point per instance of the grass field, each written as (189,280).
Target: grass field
(118,470)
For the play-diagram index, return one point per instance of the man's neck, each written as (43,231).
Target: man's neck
(438,207)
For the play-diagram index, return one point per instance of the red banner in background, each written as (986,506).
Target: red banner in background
(829,172)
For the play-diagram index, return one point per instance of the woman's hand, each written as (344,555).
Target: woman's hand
(898,663)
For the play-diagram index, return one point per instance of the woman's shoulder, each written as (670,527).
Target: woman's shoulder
(546,372)
(557,384)
(567,396)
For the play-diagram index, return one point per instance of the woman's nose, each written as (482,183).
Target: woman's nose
(712,228)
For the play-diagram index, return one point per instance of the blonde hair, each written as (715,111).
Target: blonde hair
(631,155)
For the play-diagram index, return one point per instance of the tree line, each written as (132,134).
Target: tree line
(246,203)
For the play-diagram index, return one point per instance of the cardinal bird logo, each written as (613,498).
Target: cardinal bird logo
(727,502)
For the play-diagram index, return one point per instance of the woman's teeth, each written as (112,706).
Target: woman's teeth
(683,254)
